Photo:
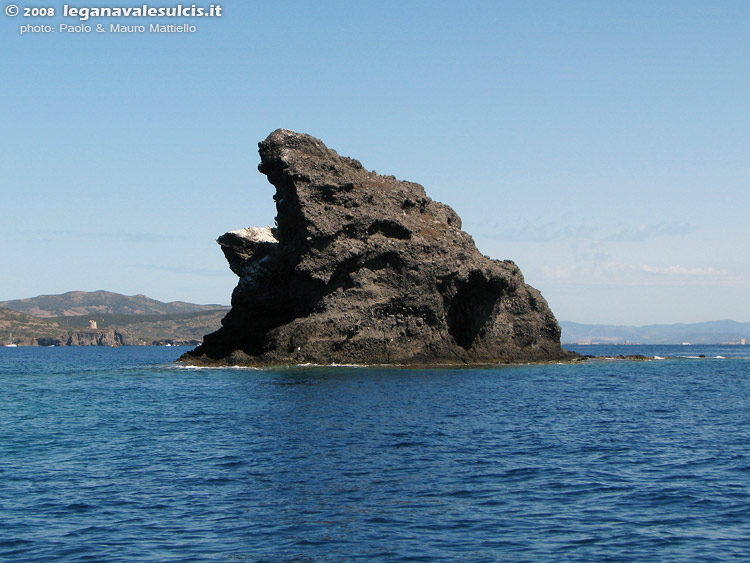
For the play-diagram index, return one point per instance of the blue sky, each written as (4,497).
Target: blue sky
(603,146)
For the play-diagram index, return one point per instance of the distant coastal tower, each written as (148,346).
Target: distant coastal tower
(92,325)
(743,342)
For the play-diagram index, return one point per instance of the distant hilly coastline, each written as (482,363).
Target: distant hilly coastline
(712,332)
(121,320)
(82,303)
(103,318)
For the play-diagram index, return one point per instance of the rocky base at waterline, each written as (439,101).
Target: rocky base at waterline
(99,338)
(366,269)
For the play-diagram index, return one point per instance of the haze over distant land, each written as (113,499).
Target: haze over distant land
(82,303)
(53,315)
(713,332)
(602,146)
(103,318)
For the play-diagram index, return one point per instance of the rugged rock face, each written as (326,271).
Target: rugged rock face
(107,337)
(365,269)
(98,338)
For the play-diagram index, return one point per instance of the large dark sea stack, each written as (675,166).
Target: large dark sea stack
(365,269)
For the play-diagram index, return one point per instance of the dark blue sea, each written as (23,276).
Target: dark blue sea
(118,455)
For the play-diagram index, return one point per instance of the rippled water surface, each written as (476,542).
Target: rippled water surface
(118,455)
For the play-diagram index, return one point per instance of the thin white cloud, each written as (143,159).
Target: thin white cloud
(547,232)
(644,232)
(616,273)
(538,233)
(683,271)
(562,273)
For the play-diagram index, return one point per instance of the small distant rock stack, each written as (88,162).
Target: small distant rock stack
(366,269)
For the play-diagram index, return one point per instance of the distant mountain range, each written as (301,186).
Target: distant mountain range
(83,303)
(712,332)
(137,319)
(66,319)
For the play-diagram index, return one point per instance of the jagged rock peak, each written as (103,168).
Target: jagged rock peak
(364,268)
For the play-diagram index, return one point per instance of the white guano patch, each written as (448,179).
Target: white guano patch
(256,234)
